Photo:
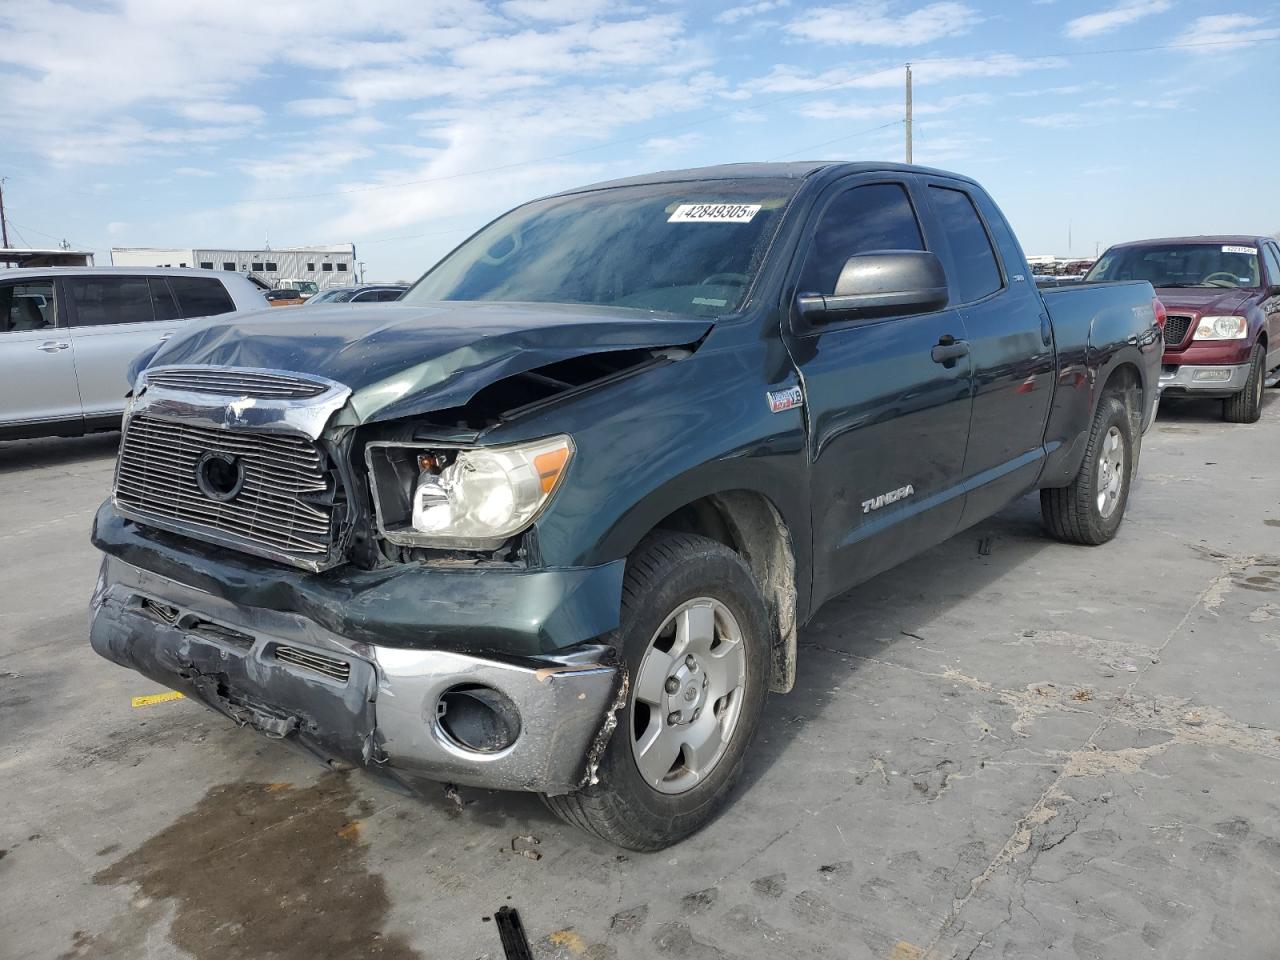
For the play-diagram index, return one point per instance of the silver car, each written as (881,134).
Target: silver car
(68,335)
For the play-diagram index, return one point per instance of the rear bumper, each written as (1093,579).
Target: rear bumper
(349,701)
(1203,379)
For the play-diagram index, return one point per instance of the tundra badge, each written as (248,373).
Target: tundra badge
(893,496)
(780,400)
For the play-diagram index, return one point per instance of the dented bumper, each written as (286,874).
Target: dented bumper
(348,701)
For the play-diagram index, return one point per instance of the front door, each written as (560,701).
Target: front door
(37,361)
(888,423)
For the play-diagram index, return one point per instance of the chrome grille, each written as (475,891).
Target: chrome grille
(236,383)
(279,510)
(331,667)
(1175,328)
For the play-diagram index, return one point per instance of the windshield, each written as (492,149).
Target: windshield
(690,248)
(334,295)
(1181,265)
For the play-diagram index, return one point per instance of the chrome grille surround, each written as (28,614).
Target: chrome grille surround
(287,506)
(238,382)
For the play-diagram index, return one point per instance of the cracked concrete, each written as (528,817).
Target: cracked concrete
(1041,751)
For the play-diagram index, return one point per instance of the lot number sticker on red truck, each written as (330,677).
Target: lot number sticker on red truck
(714,213)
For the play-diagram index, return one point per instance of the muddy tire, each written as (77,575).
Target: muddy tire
(695,641)
(1246,406)
(1090,509)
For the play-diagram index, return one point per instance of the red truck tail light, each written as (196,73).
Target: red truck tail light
(1161,314)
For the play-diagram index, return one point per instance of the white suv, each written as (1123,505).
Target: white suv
(69,334)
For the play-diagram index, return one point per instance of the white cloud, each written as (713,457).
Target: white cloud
(321,107)
(748,10)
(1106,21)
(1228,31)
(676,144)
(213,111)
(559,10)
(1058,121)
(874,24)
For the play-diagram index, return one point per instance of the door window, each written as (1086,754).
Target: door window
(1272,259)
(201,296)
(971,251)
(26,306)
(876,217)
(389,296)
(106,300)
(162,299)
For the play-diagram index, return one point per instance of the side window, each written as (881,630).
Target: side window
(369,296)
(1271,254)
(342,268)
(162,299)
(878,216)
(271,267)
(389,296)
(228,265)
(326,267)
(26,306)
(975,260)
(106,300)
(206,264)
(201,296)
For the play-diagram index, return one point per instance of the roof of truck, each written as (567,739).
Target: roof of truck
(1240,238)
(790,170)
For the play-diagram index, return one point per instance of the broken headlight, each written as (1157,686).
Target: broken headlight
(463,498)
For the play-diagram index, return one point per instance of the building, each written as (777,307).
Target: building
(27,257)
(326,266)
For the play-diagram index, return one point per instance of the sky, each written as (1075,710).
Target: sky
(403,126)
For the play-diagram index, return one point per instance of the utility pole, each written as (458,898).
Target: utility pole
(4,226)
(908,113)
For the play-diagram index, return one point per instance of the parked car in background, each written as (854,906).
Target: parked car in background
(369,293)
(1222,294)
(286,297)
(69,334)
(552,522)
(306,288)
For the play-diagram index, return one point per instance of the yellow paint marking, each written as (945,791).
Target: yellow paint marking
(351,831)
(909,951)
(156,698)
(277,787)
(570,940)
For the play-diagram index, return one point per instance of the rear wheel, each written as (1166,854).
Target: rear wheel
(1246,406)
(695,641)
(1090,509)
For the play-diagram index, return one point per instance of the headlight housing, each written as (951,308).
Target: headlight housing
(1222,328)
(429,495)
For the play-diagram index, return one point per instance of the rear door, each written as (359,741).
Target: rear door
(1010,344)
(37,358)
(115,318)
(887,423)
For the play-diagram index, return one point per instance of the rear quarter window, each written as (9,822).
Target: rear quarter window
(201,296)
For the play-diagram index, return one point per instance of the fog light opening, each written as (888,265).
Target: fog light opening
(477,718)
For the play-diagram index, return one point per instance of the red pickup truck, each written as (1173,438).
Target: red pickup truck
(1222,294)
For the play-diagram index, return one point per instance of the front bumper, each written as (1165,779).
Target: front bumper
(348,701)
(1203,379)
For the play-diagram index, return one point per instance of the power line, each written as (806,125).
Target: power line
(827,143)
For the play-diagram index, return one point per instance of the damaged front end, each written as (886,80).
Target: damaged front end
(266,553)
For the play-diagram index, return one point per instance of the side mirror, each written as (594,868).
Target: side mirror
(890,283)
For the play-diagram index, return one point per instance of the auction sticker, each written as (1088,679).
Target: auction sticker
(714,213)
(1252,251)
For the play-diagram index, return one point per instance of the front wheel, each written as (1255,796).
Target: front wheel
(1090,509)
(1246,406)
(695,642)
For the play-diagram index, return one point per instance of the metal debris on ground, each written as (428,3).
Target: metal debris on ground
(524,846)
(984,546)
(515,943)
(452,795)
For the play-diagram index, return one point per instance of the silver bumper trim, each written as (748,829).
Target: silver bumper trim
(1184,378)
(562,705)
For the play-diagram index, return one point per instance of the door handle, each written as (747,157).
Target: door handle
(949,350)
(53,346)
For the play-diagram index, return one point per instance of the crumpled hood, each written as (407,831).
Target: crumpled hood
(406,359)
(1205,301)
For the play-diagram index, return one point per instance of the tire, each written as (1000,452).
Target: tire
(1246,406)
(669,573)
(1079,513)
